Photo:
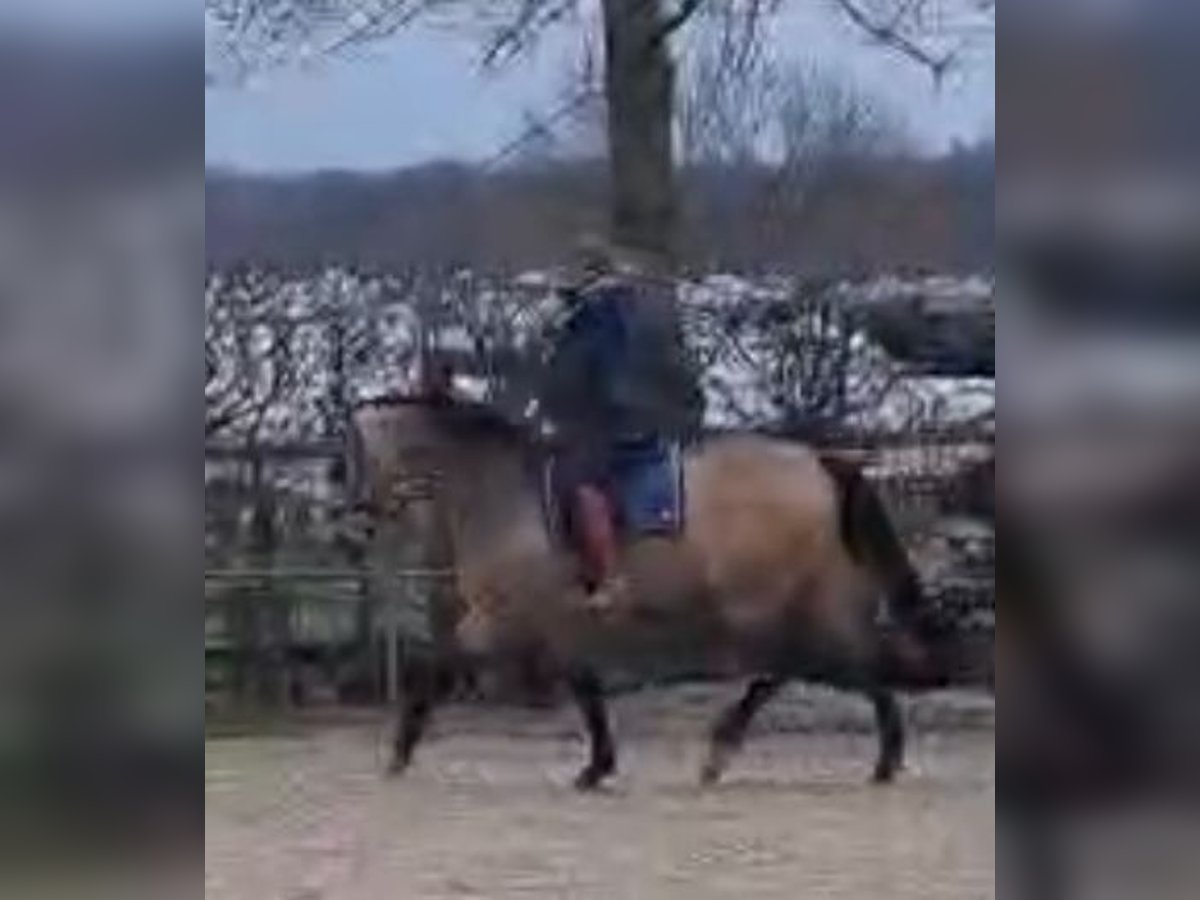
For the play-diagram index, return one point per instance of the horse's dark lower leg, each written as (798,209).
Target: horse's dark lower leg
(589,694)
(730,730)
(891,735)
(424,684)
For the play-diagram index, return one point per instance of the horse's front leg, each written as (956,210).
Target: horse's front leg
(425,684)
(890,723)
(588,692)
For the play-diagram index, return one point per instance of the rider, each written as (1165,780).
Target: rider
(617,375)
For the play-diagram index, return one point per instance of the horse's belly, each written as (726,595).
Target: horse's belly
(666,648)
(666,578)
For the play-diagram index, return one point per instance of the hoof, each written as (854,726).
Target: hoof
(714,767)
(710,774)
(396,769)
(592,778)
(885,774)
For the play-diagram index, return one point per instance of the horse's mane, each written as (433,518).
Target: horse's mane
(466,420)
(474,421)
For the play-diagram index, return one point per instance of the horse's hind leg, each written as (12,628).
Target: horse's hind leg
(589,694)
(729,732)
(891,735)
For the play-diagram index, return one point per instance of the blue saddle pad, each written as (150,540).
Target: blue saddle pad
(645,481)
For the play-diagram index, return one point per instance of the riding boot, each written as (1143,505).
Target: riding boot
(598,538)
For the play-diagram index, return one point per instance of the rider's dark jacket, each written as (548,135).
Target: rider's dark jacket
(618,368)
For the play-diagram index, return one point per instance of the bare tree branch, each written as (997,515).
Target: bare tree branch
(385,21)
(891,34)
(541,126)
(679,18)
(639,68)
(532,19)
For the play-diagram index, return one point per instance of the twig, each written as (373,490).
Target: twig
(685,11)
(542,126)
(892,35)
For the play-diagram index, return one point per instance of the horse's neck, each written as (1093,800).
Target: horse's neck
(491,498)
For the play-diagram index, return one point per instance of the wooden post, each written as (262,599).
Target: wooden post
(386,562)
(392,649)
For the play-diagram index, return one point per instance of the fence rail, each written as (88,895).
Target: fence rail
(393,608)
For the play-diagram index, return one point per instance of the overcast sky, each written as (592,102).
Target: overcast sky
(422,96)
(100,17)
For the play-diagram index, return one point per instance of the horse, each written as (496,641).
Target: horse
(787,567)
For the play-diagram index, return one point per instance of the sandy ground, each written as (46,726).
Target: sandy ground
(486,813)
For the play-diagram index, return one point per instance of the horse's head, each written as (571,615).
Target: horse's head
(402,447)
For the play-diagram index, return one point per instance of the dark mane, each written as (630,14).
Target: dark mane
(472,421)
(466,420)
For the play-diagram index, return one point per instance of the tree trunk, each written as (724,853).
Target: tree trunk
(640,84)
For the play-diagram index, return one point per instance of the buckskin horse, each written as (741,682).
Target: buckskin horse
(786,567)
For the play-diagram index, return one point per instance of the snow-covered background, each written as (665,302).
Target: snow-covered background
(287,357)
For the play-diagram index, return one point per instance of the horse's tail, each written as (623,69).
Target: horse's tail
(871,539)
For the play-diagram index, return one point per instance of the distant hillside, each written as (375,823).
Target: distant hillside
(860,217)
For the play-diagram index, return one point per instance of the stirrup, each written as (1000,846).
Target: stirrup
(608,596)
(599,601)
